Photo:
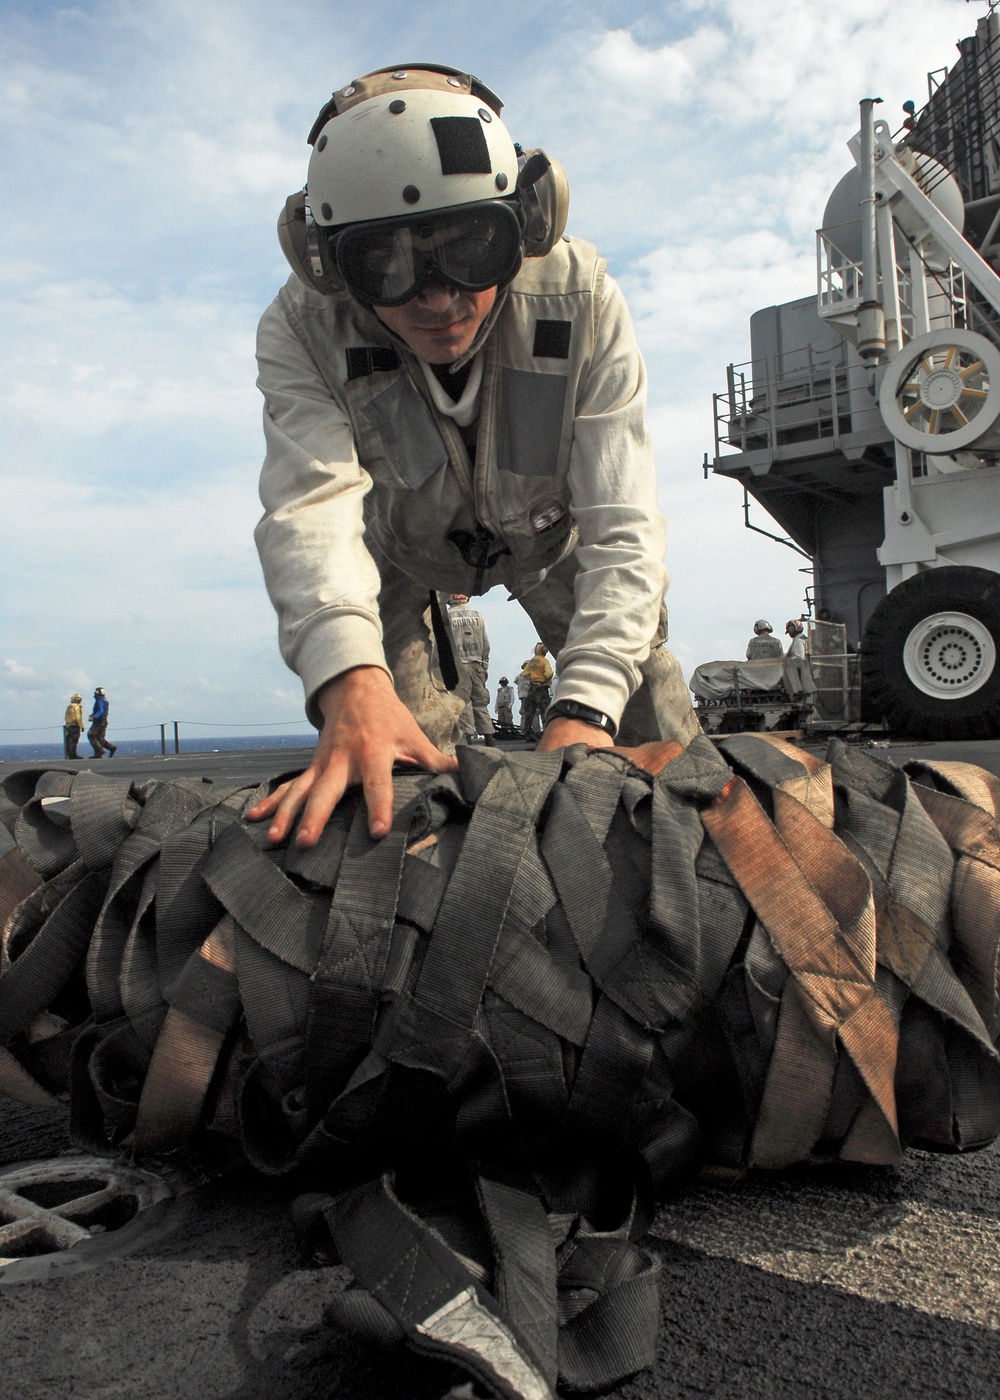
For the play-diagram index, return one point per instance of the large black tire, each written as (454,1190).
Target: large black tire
(930,657)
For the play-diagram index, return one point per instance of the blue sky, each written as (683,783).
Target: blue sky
(148,152)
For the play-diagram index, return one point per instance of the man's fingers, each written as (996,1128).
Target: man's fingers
(291,797)
(326,790)
(267,805)
(377,780)
(421,751)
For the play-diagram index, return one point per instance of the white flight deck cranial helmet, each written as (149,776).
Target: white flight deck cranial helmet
(411,150)
(761,626)
(410,141)
(794,626)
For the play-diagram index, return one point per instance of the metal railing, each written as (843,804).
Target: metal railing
(791,398)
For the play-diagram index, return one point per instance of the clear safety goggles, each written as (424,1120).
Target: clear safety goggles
(471,247)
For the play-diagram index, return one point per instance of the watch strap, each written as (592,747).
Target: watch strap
(586,714)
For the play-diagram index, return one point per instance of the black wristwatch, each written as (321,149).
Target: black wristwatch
(586,714)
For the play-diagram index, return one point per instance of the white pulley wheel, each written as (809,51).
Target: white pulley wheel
(941,394)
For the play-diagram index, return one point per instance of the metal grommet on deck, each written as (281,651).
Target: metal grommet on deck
(64,1214)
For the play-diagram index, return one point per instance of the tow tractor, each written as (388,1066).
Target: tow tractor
(867,421)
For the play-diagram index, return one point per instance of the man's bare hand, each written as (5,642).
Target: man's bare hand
(366,729)
(560,732)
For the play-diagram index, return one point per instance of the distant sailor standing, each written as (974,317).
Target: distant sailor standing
(473,646)
(762,646)
(796,646)
(97,733)
(505,703)
(72,725)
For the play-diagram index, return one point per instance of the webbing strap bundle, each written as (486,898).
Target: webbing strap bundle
(562,982)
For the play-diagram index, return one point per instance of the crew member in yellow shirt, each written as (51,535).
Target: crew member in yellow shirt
(538,673)
(72,726)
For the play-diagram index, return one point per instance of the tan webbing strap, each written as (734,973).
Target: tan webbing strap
(184,1060)
(830,954)
(798,1088)
(809,761)
(976,785)
(815,791)
(17,1083)
(870,1034)
(652,758)
(975,896)
(967,828)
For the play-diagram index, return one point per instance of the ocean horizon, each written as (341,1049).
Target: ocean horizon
(227,743)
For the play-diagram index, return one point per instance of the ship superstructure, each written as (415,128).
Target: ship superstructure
(867,420)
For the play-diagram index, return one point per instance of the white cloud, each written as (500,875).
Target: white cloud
(21,677)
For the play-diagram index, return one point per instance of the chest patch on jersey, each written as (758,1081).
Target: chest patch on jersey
(531,420)
(363,360)
(408,431)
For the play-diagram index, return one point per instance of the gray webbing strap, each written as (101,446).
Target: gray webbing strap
(18,879)
(347,981)
(103,813)
(33,979)
(615,1334)
(439,1303)
(283,919)
(457,966)
(524,1281)
(48,847)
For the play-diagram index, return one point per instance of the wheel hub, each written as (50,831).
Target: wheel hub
(949,655)
(941,389)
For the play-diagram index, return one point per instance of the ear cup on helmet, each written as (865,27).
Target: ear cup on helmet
(544,192)
(305,246)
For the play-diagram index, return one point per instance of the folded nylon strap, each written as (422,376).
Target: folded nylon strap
(285,920)
(976,785)
(39,973)
(139,976)
(17,1083)
(439,1304)
(524,1279)
(18,878)
(611,1074)
(186,1053)
(972,833)
(48,847)
(634,973)
(615,1334)
(101,811)
(559,998)
(483,897)
(908,857)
